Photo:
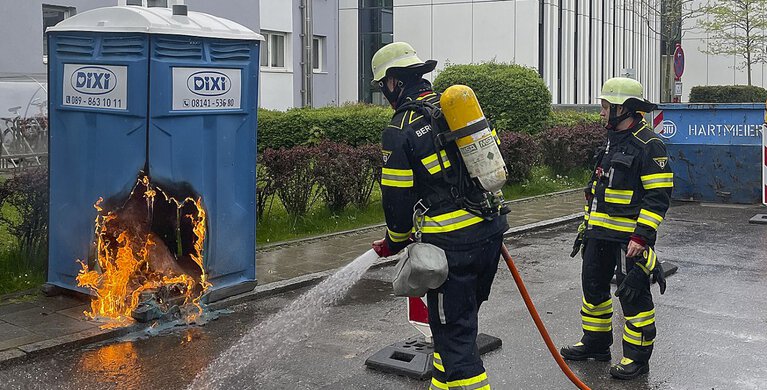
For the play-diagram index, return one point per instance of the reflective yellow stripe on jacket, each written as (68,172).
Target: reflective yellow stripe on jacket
(613,223)
(397,237)
(658,180)
(449,222)
(647,217)
(618,196)
(402,178)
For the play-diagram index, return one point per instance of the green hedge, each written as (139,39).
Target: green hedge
(728,94)
(353,124)
(512,95)
(571,119)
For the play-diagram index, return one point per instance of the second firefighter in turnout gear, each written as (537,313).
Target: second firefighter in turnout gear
(627,198)
(414,175)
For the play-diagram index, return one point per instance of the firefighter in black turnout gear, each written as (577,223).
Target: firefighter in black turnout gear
(627,198)
(414,176)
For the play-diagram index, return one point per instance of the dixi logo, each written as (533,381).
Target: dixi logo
(668,129)
(93,80)
(209,83)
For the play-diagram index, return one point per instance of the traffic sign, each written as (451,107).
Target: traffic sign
(678,61)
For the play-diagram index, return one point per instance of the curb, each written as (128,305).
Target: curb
(365,229)
(24,352)
(88,336)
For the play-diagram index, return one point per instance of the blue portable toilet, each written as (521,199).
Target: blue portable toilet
(168,92)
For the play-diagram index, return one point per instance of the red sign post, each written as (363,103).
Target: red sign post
(678,71)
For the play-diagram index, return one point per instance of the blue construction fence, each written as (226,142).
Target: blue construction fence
(715,150)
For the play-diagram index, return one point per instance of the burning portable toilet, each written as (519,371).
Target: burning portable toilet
(152,153)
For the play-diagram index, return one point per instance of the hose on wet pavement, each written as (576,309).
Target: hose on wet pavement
(538,322)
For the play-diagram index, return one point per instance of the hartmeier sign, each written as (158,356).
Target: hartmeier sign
(709,124)
(206,89)
(95,86)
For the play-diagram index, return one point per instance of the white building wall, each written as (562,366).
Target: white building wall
(276,90)
(472,31)
(348,49)
(705,69)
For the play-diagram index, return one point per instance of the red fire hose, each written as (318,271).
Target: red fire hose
(538,322)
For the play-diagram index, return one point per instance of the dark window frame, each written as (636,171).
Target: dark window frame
(50,21)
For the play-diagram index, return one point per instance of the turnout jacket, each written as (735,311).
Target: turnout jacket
(630,188)
(412,172)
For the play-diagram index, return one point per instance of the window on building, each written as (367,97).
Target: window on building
(273,50)
(318,54)
(376,28)
(52,15)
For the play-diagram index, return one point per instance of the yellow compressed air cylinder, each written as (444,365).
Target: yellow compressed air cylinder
(479,150)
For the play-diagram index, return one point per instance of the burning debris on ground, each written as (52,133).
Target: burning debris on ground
(147,257)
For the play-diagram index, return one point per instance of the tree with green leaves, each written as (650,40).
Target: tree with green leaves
(737,28)
(667,19)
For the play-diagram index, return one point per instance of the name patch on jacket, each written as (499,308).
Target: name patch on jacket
(423,130)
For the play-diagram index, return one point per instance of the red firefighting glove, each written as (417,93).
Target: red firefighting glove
(381,247)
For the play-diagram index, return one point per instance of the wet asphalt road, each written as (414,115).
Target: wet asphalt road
(712,325)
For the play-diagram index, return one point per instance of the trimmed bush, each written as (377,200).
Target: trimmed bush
(352,124)
(566,148)
(368,173)
(294,176)
(347,174)
(572,118)
(521,152)
(728,94)
(514,96)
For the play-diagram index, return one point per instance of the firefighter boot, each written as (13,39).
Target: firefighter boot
(629,369)
(580,351)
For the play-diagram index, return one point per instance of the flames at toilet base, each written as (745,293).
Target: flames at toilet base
(147,256)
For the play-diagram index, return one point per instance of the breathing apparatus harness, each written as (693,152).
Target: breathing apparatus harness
(463,192)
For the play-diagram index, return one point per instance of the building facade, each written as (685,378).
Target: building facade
(574,44)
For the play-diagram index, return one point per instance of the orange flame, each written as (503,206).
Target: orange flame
(137,261)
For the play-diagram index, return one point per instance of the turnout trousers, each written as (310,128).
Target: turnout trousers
(600,260)
(453,309)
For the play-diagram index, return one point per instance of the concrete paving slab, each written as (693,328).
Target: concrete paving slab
(75,312)
(46,324)
(16,307)
(60,302)
(12,336)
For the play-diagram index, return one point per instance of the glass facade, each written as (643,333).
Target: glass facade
(376,29)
